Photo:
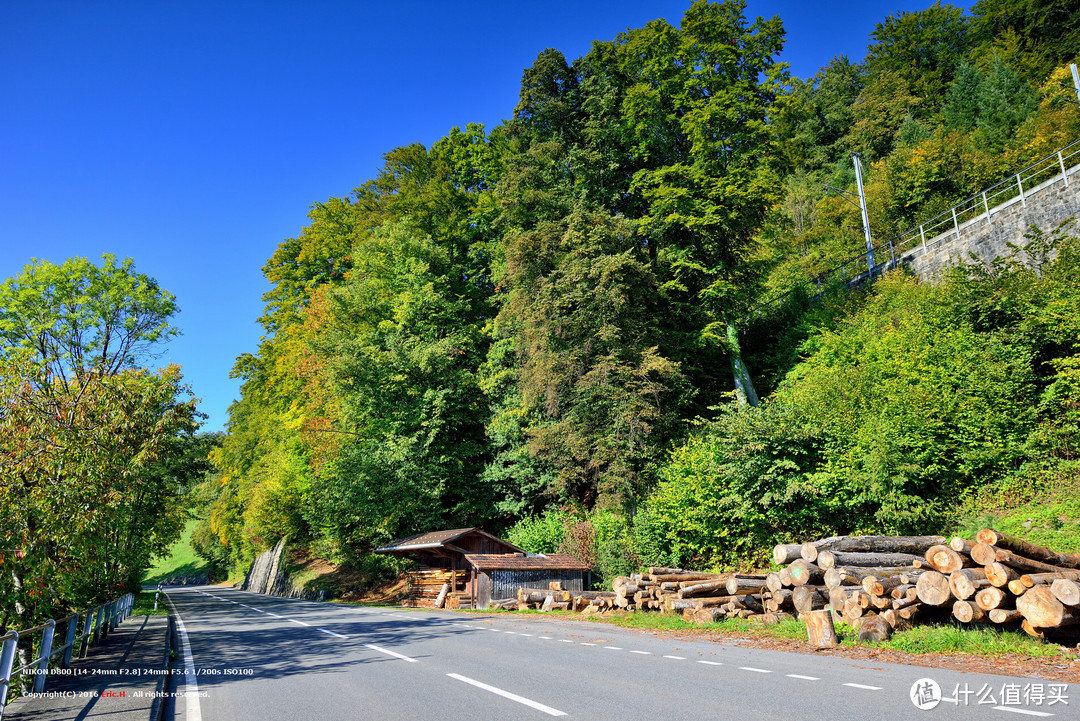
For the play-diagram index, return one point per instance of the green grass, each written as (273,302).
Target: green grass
(144,605)
(180,561)
(952,639)
(945,638)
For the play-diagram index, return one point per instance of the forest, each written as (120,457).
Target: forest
(544,328)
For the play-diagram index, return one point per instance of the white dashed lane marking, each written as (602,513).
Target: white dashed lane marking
(506,694)
(338,635)
(1023,711)
(388,652)
(547,709)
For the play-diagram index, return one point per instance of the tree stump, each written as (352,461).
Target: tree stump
(819,629)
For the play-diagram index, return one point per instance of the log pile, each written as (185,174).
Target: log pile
(426,584)
(873,583)
(876,583)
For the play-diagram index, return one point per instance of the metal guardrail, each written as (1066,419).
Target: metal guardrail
(946,225)
(96,624)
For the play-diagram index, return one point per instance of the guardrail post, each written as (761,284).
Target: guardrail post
(114,611)
(69,640)
(922,235)
(42,667)
(84,639)
(1023,200)
(7,659)
(956,223)
(986,207)
(1064,173)
(97,624)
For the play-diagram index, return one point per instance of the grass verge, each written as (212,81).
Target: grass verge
(944,638)
(144,605)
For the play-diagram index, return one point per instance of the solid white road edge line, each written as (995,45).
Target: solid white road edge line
(506,694)
(193,711)
(388,652)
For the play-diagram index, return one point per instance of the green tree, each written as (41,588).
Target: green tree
(924,48)
(1005,101)
(77,319)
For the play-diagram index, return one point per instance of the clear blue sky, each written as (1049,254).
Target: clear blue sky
(193,136)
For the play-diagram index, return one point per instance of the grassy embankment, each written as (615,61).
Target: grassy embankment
(180,561)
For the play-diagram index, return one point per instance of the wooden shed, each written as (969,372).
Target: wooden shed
(441,557)
(498,576)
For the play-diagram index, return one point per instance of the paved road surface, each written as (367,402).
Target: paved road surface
(262,657)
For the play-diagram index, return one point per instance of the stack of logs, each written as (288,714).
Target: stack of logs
(873,583)
(876,583)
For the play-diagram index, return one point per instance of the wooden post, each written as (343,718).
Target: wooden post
(819,629)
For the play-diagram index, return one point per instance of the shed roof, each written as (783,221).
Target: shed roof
(520,561)
(435,539)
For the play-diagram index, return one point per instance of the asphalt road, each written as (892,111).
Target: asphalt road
(261,657)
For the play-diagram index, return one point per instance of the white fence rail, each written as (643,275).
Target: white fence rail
(946,226)
(96,624)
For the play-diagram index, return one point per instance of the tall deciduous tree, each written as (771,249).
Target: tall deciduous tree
(74,319)
(88,481)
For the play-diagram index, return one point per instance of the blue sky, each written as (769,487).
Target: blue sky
(194,136)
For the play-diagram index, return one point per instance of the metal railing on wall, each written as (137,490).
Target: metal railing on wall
(95,623)
(946,226)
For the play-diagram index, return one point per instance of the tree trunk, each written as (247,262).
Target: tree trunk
(1005,615)
(1028,550)
(967,612)
(874,628)
(1023,564)
(966,581)
(961,545)
(881,586)
(820,630)
(738,584)
(933,588)
(1066,591)
(809,598)
(744,385)
(990,598)
(1042,610)
(785,553)
(828,559)
(999,574)
(945,560)
(703,588)
(804,572)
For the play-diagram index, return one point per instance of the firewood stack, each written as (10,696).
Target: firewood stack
(876,583)
(873,583)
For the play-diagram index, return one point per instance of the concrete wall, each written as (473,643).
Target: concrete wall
(1045,206)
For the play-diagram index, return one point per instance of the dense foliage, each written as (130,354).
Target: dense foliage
(542,324)
(94,450)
